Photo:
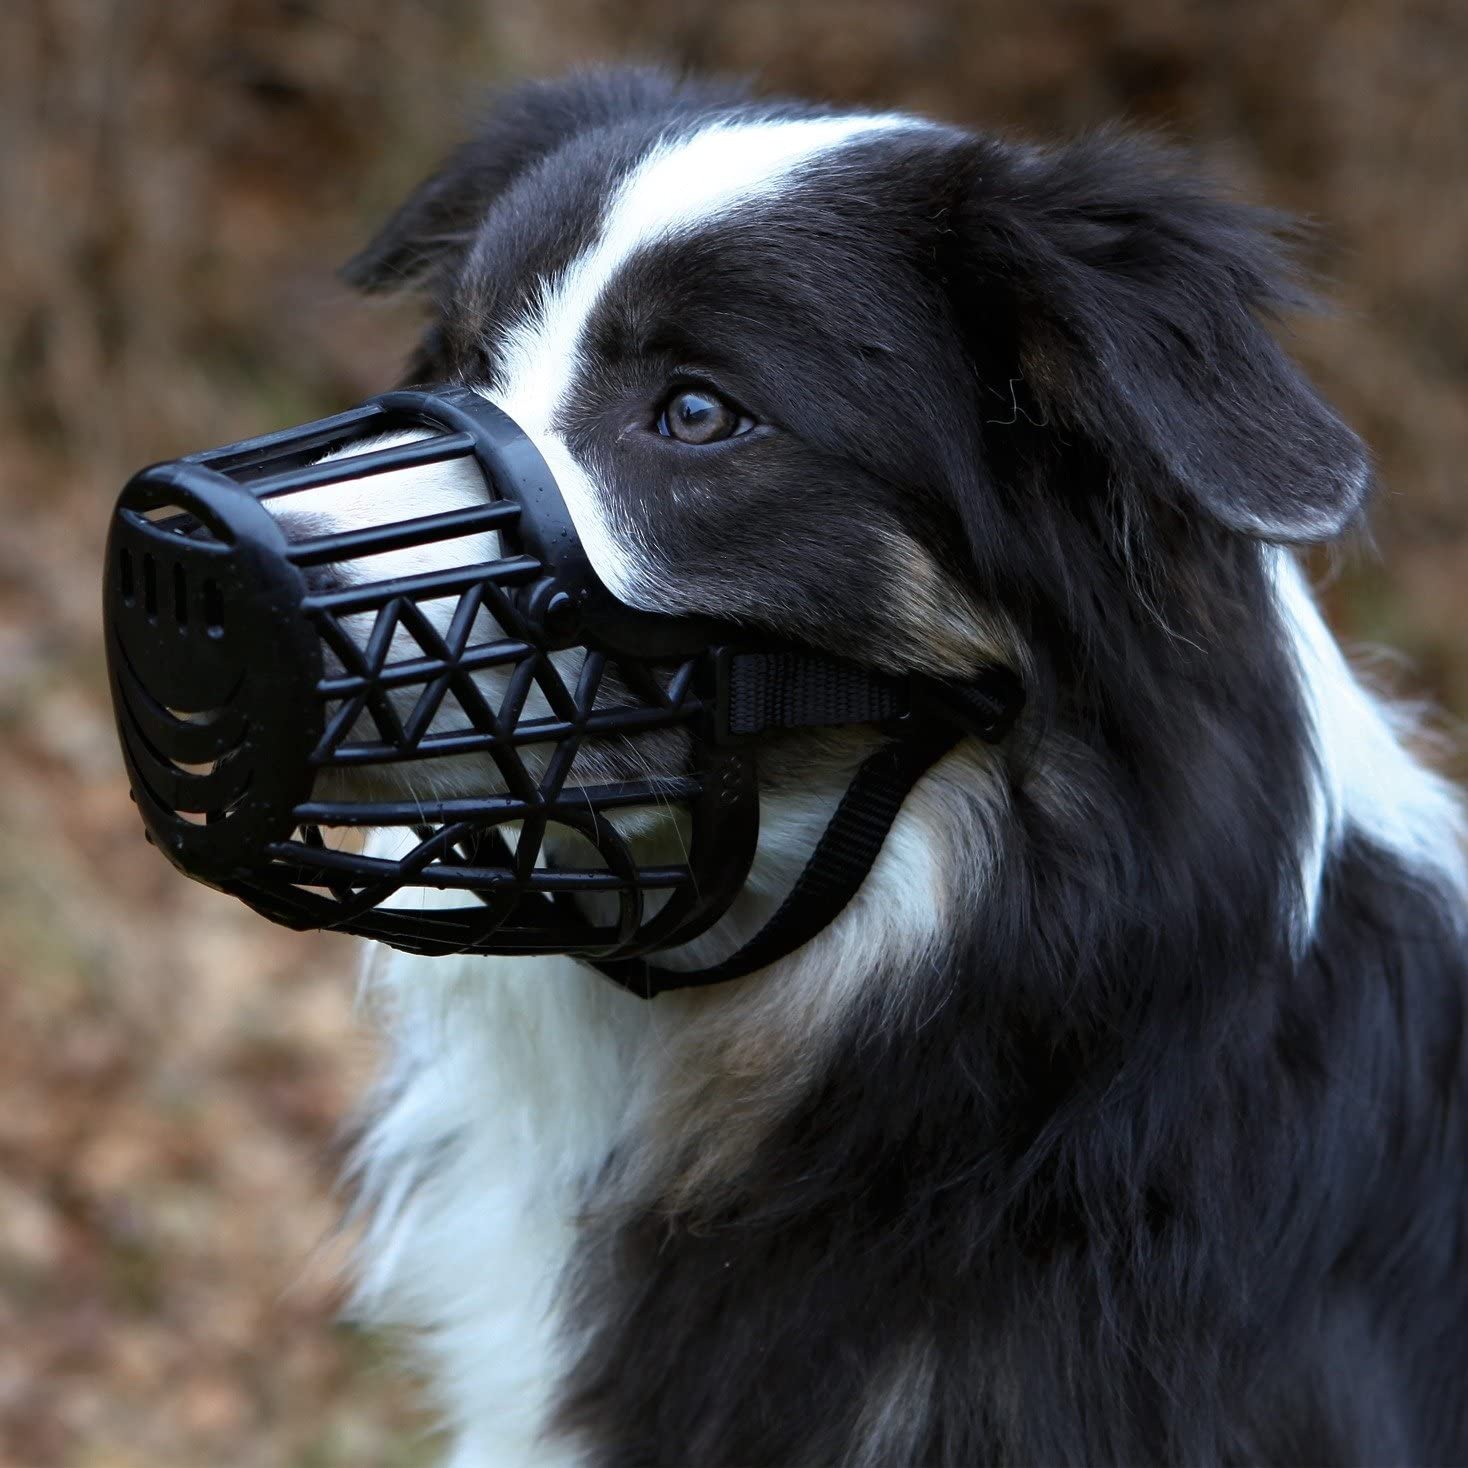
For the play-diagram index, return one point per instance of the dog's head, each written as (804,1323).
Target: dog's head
(916,397)
(895,390)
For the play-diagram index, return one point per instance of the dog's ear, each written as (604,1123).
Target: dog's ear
(432,228)
(430,231)
(1140,300)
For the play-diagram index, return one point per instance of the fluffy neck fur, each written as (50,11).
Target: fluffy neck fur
(973,1112)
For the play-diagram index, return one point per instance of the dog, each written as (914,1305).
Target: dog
(1120,1117)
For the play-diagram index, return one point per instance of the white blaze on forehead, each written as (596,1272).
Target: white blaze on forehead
(680,186)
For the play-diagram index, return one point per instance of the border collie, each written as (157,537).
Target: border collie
(1121,1117)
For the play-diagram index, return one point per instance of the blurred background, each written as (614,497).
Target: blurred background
(177,183)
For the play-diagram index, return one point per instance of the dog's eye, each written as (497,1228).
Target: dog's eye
(694,415)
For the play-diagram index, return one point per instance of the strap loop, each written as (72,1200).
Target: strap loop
(836,869)
(788,690)
(794,689)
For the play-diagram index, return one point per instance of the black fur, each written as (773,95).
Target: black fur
(1130,1180)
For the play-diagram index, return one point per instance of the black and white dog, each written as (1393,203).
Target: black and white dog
(1121,1117)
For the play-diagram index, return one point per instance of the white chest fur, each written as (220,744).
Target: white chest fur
(507,1084)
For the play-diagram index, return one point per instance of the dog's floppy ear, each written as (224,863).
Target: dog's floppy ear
(433,227)
(1141,300)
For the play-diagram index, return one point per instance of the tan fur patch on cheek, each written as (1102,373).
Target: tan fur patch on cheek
(951,634)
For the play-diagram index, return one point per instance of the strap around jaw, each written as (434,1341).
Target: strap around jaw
(806,690)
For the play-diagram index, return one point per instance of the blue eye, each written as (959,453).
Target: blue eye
(695,416)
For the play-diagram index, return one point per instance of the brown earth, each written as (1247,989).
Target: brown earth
(176,183)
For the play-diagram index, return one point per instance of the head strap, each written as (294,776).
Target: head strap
(806,690)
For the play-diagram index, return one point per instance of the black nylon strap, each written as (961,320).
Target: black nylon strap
(800,690)
(836,869)
(803,690)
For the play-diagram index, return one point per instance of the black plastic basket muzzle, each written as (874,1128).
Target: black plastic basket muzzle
(261,676)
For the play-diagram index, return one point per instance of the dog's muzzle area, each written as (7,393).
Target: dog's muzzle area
(382,626)
(366,678)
